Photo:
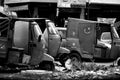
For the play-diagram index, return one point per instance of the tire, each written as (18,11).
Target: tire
(47,65)
(76,60)
(118,61)
(63,58)
(76,56)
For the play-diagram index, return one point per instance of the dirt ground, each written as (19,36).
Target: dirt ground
(87,72)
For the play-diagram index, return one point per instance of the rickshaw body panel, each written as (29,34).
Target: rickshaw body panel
(87,33)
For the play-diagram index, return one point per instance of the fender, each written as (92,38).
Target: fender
(75,49)
(63,50)
(41,58)
(47,57)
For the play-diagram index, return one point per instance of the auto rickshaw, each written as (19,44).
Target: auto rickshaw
(53,42)
(86,41)
(24,38)
(37,38)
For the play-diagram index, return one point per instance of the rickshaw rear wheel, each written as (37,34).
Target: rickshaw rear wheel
(118,61)
(76,60)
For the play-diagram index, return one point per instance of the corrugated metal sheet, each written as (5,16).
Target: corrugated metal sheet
(18,8)
(55,1)
(23,1)
(71,3)
(105,1)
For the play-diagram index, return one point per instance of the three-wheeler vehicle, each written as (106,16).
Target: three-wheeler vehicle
(92,40)
(36,37)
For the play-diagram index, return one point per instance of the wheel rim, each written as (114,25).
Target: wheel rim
(73,63)
(74,59)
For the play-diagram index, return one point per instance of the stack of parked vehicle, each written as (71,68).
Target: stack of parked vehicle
(37,41)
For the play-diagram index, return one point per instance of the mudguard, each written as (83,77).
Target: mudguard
(63,50)
(47,57)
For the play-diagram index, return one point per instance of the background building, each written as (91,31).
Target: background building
(60,10)
(33,8)
(70,8)
(103,8)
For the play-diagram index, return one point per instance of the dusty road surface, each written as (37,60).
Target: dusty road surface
(87,72)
